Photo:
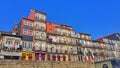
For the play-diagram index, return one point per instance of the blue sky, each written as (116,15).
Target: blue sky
(96,17)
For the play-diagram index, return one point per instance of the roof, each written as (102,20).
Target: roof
(84,33)
(39,11)
(113,36)
(4,33)
(27,19)
(11,35)
(61,25)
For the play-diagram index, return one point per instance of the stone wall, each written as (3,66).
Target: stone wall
(40,64)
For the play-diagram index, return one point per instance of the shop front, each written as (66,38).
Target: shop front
(53,57)
(40,56)
(27,56)
(48,57)
(58,58)
(67,58)
(61,57)
(64,58)
(11,55)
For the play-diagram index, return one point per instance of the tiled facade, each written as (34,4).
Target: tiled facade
(42,40)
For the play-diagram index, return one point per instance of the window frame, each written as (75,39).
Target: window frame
(25,22)
(31,24)
(31,33)
(26,32)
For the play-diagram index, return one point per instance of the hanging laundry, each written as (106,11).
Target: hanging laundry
(37,46)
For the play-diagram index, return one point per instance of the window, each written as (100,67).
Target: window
(72,33)
(37,25)
(8,43)
(43,36)
(37,46)
(87,37)
(37,35)
(62,39)
(43,17)
(50,31)
(25,22)
(88,43)
(24,44)
(31,33)
(53,48)
(25,32)
(37,16)
(49,48)
(31,24)
(63,49)
(43,46)
(17,45)
(42,26)
(66,33)
(82,36)
(30,45)
(56,31)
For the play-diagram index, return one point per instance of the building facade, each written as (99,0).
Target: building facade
(11,46)
(35,38)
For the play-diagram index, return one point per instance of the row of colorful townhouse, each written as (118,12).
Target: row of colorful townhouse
(12,47)
(36,39)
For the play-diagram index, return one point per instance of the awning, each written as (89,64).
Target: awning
(11,53)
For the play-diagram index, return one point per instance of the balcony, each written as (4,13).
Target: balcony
(65,34)
(43,38)
(71,51)
(41,20)
(63,51)
(43,49)
(11,48)
(37,37)
(40,38)
(67,42)
(58,51)
(39,28)
(43,28)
